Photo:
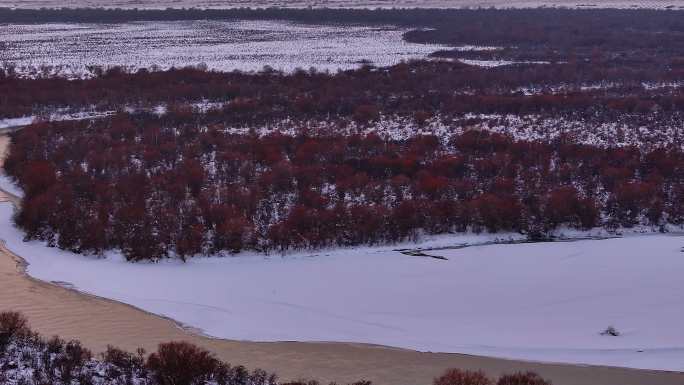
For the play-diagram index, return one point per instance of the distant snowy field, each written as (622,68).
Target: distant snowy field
(543,302)
(160,4)
(221,45)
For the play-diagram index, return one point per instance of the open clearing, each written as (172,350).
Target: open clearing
(226,46)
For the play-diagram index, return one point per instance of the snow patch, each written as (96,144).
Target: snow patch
(7,184)
(497,63)
(16,122)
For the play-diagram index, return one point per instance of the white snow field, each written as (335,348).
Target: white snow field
(221,45)
(6,184)
(15,122)
(542,302)
(161,4)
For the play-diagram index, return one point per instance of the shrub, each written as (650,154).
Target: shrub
(528,378)
(71,360)
(12,324)
(181,363)
(123,359)
(55,345)
(260,377)
(462,377)
(366,113)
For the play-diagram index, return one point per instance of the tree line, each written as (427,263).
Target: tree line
(421,88)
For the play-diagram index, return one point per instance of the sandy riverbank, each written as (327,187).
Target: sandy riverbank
(99,322)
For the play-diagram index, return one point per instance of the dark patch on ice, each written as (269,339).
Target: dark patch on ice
(420,253)
(63,284)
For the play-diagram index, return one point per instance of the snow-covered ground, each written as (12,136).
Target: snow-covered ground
(8,185)
(161,4)
(652,133)
(545,301)
(221,45)
(16,122)
(57,115)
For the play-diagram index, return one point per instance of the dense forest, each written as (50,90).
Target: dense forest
(28,358)
(159,186)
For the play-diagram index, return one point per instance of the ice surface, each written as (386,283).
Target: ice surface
(545,301)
